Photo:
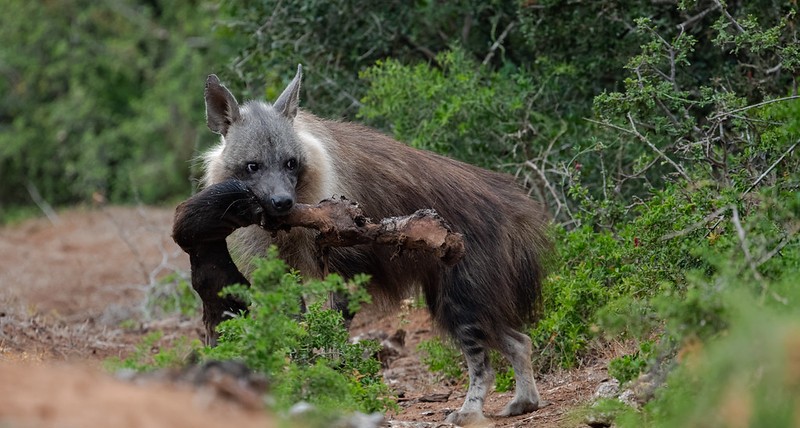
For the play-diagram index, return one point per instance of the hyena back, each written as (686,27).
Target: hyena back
(290,156)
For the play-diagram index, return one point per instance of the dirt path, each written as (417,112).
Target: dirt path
(67,289)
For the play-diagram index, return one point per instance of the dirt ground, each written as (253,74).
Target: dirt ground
(71,290)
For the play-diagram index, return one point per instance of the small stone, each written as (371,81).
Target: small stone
(361,420)
(301,408)
(607,389)
(629,397)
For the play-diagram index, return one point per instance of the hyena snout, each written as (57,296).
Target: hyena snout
(281,204)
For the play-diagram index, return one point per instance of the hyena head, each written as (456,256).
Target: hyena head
(258,146)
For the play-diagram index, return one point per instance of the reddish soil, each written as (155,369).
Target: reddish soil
(72,294)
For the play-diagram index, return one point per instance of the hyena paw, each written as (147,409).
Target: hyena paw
(522,406)
(467,419)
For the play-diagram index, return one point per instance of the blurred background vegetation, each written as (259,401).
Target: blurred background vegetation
(661,134)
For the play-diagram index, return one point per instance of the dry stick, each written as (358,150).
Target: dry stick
(743,242)
(786,239)
(341,223)
(750,262)
(730,18)
(695,225)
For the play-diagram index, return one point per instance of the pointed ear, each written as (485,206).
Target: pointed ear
(222,110)
(290,98)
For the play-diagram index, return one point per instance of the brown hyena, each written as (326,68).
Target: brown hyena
(287,156)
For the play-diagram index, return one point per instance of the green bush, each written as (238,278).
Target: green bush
(101,99)
(335,40)
(627,367)
(746,376)
(457,108)
(307,357)
(442,358)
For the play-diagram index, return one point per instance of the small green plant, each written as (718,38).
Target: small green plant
(151,354)
(443,359)
(307,356)
(504,380)
(627,367)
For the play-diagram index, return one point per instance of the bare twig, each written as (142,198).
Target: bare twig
(743,242)
(657,150)
(696,225)
(689,22)
(551,189)
(497,43)
(730,18)
(763,103)
(786,239)
(774,164)
(41,203)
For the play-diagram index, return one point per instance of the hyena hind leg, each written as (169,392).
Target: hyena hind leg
(516,348)
(481,379)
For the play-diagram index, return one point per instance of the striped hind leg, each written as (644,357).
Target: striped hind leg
(516,348)
(481,378)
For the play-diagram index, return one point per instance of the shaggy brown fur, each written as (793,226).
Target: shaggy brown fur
(482,302)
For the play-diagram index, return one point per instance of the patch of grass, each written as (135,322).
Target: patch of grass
(13,215)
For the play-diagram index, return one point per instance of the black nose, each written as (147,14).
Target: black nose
(282,203)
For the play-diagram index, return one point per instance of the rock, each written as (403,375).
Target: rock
(300,408)
(435,397)
(599,420)
(392,347)
(629,397)
(407,424)
(607,389)
(361,420)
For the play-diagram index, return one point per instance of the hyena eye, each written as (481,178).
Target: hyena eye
(291,164)
(252,167)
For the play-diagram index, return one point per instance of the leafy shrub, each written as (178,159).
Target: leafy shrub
(746,376)
(627,367)
(457,108)
(335,40)
(307,357)
(504,379)
(442,358)
(116,111)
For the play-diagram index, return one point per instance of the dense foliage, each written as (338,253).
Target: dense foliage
(662,136)
(102,100)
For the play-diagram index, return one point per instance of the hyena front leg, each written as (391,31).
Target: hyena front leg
(516,348)
(481,379)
